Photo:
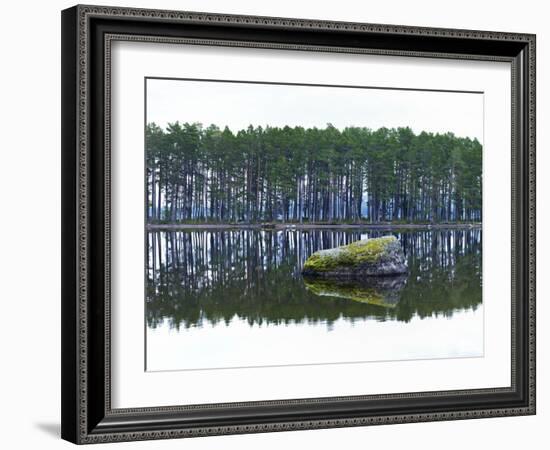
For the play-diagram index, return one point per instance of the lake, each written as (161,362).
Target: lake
(235,297)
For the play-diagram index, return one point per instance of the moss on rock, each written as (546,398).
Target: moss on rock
(378,256)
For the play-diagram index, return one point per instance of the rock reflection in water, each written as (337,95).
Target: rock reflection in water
(199,277)
(379,291)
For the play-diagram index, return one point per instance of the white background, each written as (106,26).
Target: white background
(30,264)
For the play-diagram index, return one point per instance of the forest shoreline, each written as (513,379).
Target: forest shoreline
(284,175)
(303,226)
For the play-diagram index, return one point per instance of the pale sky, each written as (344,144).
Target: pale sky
(238,105)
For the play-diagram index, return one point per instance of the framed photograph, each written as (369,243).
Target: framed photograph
(278,224)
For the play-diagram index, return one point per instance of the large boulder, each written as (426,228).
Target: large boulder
(366,258)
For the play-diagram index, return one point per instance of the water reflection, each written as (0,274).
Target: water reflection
(210,276)
(380,291)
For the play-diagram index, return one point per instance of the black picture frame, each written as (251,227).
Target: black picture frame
(87,416)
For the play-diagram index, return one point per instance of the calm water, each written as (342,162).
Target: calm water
(236,297)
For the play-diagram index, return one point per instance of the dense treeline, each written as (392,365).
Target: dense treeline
(310,175)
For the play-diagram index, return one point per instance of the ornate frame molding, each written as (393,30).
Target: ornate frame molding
(77,414)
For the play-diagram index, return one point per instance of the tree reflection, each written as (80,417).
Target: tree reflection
(210,276)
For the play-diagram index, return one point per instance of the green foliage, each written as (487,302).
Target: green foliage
(310,175)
